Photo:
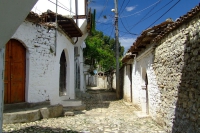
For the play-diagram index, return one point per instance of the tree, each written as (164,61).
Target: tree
(100,50)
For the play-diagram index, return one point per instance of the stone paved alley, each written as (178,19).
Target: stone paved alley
(103,114)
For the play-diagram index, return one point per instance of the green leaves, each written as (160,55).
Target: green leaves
(100,50)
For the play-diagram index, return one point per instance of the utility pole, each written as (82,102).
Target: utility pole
(117,49)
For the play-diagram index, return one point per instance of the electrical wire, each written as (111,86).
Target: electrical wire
(60,6)
(111,32)
(126,28)
(106,28)
(124,7)
(140,10)
(158,10)
(105,4)
(121,5)
(143,18)
(104,23)
(65,7)
(164,13)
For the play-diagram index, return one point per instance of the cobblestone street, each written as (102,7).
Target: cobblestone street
(103,114)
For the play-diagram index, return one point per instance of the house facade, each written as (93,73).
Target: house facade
(40,60)
(164,65)
(9,27)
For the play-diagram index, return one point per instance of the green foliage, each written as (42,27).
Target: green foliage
(100,51)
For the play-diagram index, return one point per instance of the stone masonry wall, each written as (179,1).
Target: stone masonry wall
(177,69)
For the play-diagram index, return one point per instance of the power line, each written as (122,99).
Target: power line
(61,6)
(126,29)
(124,7)
(143,18)
(65,7)
(111,32)
(105,4)
(104,23)
(106,28)
(121,5)
(164,13)
(127,32)
(140,10)
(159,10)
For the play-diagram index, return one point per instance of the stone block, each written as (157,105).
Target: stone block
(55,111)
(21,117)
(44,113)
(68,113)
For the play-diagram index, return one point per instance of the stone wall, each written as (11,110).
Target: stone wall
(176,65)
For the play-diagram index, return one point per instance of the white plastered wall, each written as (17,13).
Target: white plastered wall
(42,65)
(127,83)
(142,65)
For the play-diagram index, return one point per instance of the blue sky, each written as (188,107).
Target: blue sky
(137,15)
(134,15)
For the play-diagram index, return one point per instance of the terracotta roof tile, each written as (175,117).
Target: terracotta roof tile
(157,32)
(178,22)
(48,19)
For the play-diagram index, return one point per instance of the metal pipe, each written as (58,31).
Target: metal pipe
(131,81)
(76,7)
(56,30)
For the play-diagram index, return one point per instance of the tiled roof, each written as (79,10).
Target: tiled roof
(66,24)
(157,32)
(178,22)
(145,38)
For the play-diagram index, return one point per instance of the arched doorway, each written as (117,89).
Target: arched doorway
(14,76)
(63,74)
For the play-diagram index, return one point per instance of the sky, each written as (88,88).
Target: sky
(134,15)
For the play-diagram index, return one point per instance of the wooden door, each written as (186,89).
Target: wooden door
(14,76)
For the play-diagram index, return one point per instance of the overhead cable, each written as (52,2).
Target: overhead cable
(61,6)
(140,10)
(164,13)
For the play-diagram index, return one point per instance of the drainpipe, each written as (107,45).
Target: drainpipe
(131,81)
(56,26)
(76,7)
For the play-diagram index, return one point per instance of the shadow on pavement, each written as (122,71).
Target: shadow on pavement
(38,129)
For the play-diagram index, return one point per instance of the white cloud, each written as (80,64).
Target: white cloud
(126,42)
(130,8)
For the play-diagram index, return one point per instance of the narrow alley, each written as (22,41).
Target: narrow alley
(103,114)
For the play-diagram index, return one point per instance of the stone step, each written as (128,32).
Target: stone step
(32,114)
(71,103)
(75,108)
(24,105)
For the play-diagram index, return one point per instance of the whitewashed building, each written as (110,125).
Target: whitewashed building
(41,60)
(13,11)
(161,73)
